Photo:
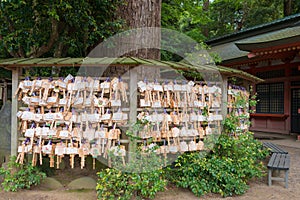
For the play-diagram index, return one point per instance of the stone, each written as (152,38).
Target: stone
(5,127)
(50,184)
(82,183)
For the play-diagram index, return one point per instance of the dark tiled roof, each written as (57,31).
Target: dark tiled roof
(292,20)
(276,35)
(235,46)
(284,36)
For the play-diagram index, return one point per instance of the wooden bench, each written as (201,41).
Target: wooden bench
(274,148)
(280,162)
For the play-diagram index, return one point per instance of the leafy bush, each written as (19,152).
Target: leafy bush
(225,170)
(117,184)
(142,177)
(17,176)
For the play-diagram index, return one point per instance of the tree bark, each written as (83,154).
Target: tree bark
(142,14)
(143,41)
(287,7)
(205,8)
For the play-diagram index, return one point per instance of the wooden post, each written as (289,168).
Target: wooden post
(224,96)
(133,107)
(4,93)
(14,110)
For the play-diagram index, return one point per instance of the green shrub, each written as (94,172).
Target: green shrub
(17,176)
(142,177)
(225,170)
(117,184)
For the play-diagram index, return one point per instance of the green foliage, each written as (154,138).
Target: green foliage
(252,101)
(17,176)
(113,184)
(142,177)
(262,11)
(226,170)
(235,15)
(116,184)
(36,28)
(185,16)
(201,20)
(141,160)
(4,73)
(56,28)
(135,127)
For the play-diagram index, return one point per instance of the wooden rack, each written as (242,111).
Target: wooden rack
(65,142)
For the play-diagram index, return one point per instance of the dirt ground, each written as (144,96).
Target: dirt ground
(259,190)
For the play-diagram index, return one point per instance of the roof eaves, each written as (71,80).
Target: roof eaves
(9,63)
(240,73)
(141,61)
(259,29)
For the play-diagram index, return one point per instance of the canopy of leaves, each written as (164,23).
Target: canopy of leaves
(185,16)
(235,15)
(204,19)
(36,28)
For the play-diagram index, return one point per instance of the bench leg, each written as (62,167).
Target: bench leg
(286,178)
(269,177)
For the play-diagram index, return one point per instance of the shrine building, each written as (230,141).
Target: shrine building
(271,52)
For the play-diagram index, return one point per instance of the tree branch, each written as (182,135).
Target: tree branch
(21,52)
(58,52)
(53,38)
(12,53)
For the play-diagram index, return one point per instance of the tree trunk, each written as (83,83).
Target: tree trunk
(205,8)
(143,14)
(287,7)
(144,40)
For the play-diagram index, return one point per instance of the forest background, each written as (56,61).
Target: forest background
(72,28)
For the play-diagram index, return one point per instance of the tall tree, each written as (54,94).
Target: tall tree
(36,28)
(205,8)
